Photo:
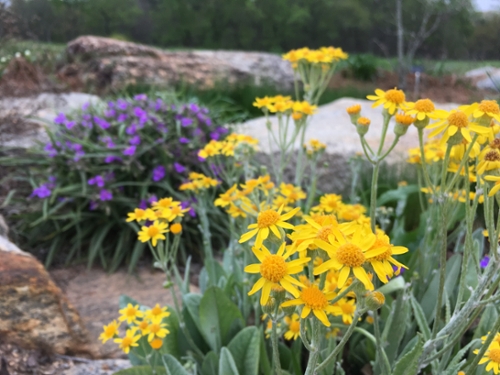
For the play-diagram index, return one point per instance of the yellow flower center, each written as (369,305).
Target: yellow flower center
(143,325)
(295,326)
(156,343)
(489,106)
(110,331)
(395,96)
(364,121)
(404,119)
(176,228)
(267,218)
(131,311)
(354,110)
(127,341)
(273,268)
(156,310)
(154,328)
(314,298)
(494,355)
(495,143)
(347,308)
(458,119)
(424,105)
(492,156)
(153,231)
(350,255)
(324,232)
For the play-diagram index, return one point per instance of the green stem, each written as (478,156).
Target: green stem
(464,160)
(314,354)
(444,170)
(276,355)
(396,140)
(373,196)
(368,152)
(299,172)
(386,366)
(428,181)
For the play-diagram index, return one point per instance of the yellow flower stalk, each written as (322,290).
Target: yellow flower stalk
(268,220)
(275,271)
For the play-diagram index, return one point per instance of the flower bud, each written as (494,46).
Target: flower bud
(289,310)
(363,124)
(421,124)
(375,300)
(354,113)
(270,306)
(279,293)
(403,122)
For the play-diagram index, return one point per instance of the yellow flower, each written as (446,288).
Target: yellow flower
(293,324)
(422,109)
(211,149)
(162,204)
(156,344)
(176,228)
(364,121)
(313,300)
(496,187)
(128,341)
(354,109)
(458,151)
(274,271)
(130,314)
(138,215)
(489,160)
(175,211)
(392,100)
(268,220)
(382,263)
(456,123)
(157,313)
(348,255)
(492,357)
(329,203)
(344,308)
(487,108)
(156,329)
(318,231)
(109,331)
(143,327)
(292,193)
(404,119)
(262,102)
(154,232)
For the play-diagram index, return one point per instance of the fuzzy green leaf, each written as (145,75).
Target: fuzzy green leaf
(246,351)
(408,364)
(226,363)
(420,318)
(172,366)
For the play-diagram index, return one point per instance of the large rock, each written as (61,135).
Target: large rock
(34,313)
(23,120)
(486,78)
(112,64)
(331,125)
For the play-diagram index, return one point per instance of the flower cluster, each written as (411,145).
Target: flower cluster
(285,105)
(198,182)
(148,324)
(228,146)
(323,55)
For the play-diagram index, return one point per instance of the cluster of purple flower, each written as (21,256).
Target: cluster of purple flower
(45,190)
(99,182)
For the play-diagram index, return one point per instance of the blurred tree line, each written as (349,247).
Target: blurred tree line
(358,26)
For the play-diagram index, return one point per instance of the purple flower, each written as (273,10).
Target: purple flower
(139,112)
(60,119)
(85,106)
(143,204)
(152,199)
(158,104)
(183,140)
(70,125)
(187,204)
(214,135)
(111,159)
(110,113)
(41,192)
(131,130)
(129,151)
(136,140)
(105,195)
(484,262)
(109,176)
(194,108)
(179,168)
(111,104)
(197,132)
(185,121)
(122,117)
(141,97)
(49,148)
(103,124)
(158,173)
(96,180)
(93,205)
(162,128)
(121,104)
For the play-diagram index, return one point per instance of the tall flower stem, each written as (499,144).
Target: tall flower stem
(314,354)
(385,365)
(425,170)
(276,353)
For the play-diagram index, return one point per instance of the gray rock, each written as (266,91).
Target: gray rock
(485,78)
(99,367)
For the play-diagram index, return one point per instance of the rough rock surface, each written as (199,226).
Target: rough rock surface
(22,120)
(486,78)
(331,125)
(99,367)
(108,63)
(33,311)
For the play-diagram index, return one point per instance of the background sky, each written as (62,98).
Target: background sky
(487,5)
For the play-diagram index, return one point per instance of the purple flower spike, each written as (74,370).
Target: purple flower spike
(60,119)
(179,168)
(103,124)
(484,262)
(131,130)
(158,173)
(97,180)
(51,151)
(70,125)
(110,113)
(215,136)
(129,151)
(121,104)
(183,140)
(186,121)
(105,195)
(41,192)
(136,140)
(122,117)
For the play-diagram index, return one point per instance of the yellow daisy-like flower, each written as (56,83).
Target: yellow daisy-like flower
(157,313)
(489,160)
(456,122)
(262,102)
(138,215)
(458,151)
(350,255)
(176,228)
(156,330)
(329,203)
(293,324)
(344,308)
(109,331)
(422,109)
(156,344)
(382,263)
(130,314)
(128,341)
(354,109)
(318,231)
(228,197)
(268,220)
(313,300)
(492,357)
(496,187)
(487,108)
(392,100)
(143,327)
(154,232)
(162,204)
(275,271)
